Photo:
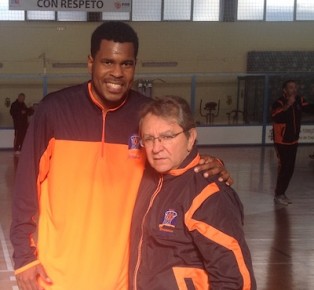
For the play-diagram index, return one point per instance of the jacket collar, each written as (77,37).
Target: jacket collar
(189,162)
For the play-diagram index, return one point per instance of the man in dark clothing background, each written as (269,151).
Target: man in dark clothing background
(20,112)
(287,115)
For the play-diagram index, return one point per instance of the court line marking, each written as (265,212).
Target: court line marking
(5,251)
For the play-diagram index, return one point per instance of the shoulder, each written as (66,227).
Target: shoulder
(220,192)
(134,102)
(137,98)
(66,97)
(14,104)
(68,92)
(69,99)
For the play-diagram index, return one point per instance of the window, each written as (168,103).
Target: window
(305,10)
(6,14)
(116,16)
(146,10)
(206,10)
(250,10)
(71,16)
(177,10)
(40,15)
(279,10)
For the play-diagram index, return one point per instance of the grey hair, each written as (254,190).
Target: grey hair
(170,107)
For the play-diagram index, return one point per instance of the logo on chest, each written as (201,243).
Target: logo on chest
(169,221)
(134,147)
(134,142)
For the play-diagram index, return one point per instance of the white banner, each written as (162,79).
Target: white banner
(306,134)
(72,5)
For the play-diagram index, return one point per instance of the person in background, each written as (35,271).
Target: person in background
(79,172)
(20,113)
(287,115)
(187,231)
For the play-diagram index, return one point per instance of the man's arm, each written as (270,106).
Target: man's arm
(307,107)
(24,205)
(25,192)
(217,231)
(13,110)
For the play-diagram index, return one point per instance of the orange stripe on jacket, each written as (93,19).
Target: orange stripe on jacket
(216,235)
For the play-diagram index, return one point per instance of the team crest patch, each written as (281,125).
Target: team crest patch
(134,146)
(134,142)
(169,221)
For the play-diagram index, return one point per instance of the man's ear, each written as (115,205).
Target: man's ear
(192,138)
(90,62)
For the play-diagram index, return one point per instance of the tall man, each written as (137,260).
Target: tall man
(80,170)
(287,114)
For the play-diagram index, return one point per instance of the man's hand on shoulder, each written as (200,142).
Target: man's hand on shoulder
(210,166)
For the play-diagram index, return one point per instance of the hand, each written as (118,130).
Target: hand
(28,279)
(212,166)
(290,100)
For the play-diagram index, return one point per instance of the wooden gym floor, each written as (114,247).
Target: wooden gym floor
(281,238)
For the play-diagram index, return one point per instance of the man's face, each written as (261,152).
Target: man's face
(290,90)
(21,98)
(165,154)
(112,72)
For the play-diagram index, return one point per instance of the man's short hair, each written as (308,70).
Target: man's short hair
(116,31)
(285,83)
(170,107)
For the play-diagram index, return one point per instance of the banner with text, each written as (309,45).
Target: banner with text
(306,134)
(72,5)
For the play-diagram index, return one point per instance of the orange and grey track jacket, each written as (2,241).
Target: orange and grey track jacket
(287,124)
(187,234)
(79,170)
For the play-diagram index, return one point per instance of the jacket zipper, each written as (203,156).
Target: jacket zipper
(294,122)
(103,133)
(138,262)
(104,113)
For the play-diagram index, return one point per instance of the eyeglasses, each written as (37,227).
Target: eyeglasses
(164,139)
